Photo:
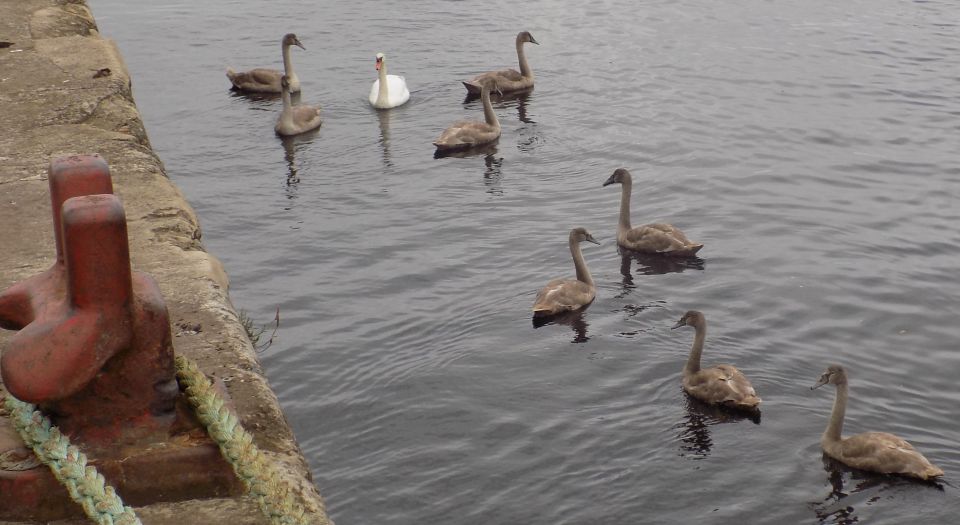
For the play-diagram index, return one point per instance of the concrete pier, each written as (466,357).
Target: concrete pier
(65,90)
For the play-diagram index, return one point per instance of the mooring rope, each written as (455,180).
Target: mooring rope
(275,497)
(84,484)
(99,500)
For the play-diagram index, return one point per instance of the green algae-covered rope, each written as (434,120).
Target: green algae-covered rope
(85,485)
(276,498)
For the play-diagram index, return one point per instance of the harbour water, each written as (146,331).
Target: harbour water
(811,146)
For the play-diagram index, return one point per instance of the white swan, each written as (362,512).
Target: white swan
(388,91)
(262,80)
(295,119)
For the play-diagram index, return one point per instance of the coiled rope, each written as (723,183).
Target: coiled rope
(276,498)
(84,484)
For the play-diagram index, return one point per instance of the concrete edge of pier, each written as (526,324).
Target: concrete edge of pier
(57,98)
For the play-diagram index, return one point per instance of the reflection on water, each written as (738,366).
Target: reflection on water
(264,100)
(289,150)
(259,99)
(652,264)
(573,319)
(516,99)
(492,175)
(383,118)
(838,506)
(485,149)
(291,145)
(521,99)
(694,435)
(827,243)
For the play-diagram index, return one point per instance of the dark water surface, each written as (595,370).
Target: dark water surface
(812,146)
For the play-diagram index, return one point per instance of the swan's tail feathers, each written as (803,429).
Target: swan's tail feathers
(932,471)
(544,310)
(688,250)
(232,75)
(472,87)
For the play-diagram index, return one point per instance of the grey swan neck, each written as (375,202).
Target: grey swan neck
(288,65)
(488,113)
(383,95)
(583,274)
(625,192)
(525,70)
(835,427)
(693,362)
(286,116)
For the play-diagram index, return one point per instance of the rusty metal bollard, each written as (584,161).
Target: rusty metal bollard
(71,176)
(60,360)
(95,353)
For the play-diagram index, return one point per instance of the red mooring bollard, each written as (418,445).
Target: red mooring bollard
(71,176)
(94,352)
(58,361)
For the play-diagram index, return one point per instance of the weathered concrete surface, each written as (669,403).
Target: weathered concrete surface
(51,104)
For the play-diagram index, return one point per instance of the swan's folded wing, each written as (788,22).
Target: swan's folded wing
(561,295)
(305,113)
(722,384)
(658,238)
(670,230)
(887,453)
(464,133)
(265,76)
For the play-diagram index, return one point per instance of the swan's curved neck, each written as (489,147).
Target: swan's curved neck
(835,427)
(287,114)
(693,362)
(382,94)
(488,113)
(524,66)
(624,223)
(583,274)
(287,64)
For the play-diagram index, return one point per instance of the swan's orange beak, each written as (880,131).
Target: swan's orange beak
(379,61)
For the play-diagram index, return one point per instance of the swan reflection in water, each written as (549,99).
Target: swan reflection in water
(492,175)
(290,146)
(838,507)
(289,155)
(485,149)
(653,264)
(262,101)
(517,99)
(694,435)
(383,117)
(572,319)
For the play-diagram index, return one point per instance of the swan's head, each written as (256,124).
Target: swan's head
(692,318)
(525,36)
(291,39)
(619,176)
(834,375)
(380,58)
(581,234)
(284,83)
